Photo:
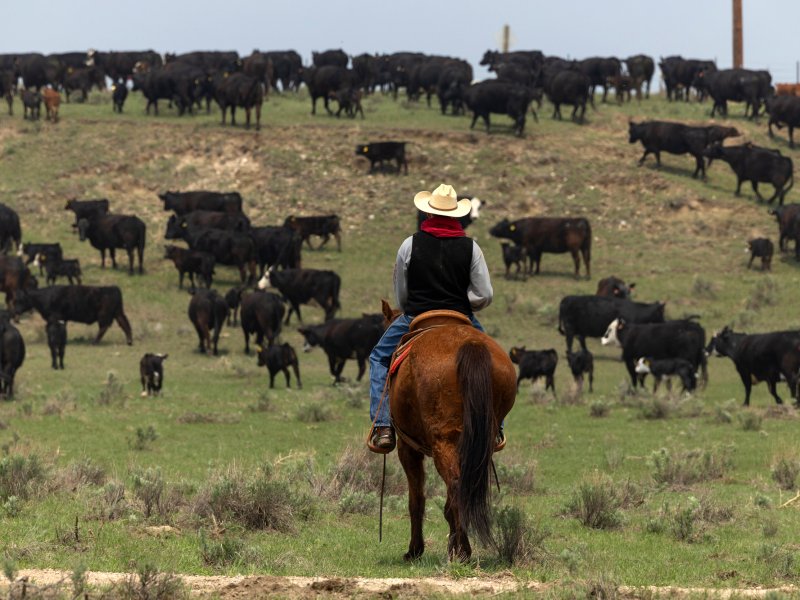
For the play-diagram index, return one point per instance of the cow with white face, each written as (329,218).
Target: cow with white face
(683,339)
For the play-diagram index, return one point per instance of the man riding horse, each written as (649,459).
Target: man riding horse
(436,268)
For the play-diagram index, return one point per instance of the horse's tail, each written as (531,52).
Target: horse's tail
(474,369)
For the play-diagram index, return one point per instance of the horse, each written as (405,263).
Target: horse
(447,399)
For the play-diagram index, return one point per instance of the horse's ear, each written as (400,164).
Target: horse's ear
(387,310)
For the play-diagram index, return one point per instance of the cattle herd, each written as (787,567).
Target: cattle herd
(217,232)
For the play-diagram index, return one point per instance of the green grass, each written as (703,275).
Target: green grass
(659,228)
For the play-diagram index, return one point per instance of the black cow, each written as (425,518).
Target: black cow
(183,202)
(568,87)
(12,355)
(667,367)
(763,249)
(82,80)
(151,373)
(10,230)
(261,314)
(590,316)
(378,152)
(301,286)
(336,58)
(120,65)
(677,138)
(349,101)
(79,303)
(205,219)
(14,277)
(680,75)
(684,339)
(321,81)
(498,97)
(228,247)
(259,66)
(8,86)
(233,298)
(513,255)
(279,357)
(738,85)
(40,253)
(110,231)
(345,338)
(323,226)
(641,68)
(581,362)
(208,312)
(760,357)
(119,93)
(191,262)
(755,164)
(286,66)
(534,364)
(31,105)
(599,70)
(240,90)
(69,268)
(277,247)
(84,209)
(614,287)
(56,331)
(548,234)
(784,110)
(786,217)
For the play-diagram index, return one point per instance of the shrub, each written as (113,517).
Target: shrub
(778,558)
(149,487)
(599,409)
(263,404)
(112,501)
(19,474)
(315,413)
(361,503)
(656,407)
(785,471)
(703,288)
(765,293)
(148,583)
(769,528)
(113,391)
(517,477)
(256,502)
(750,421)
(686,467)
(518,542)
(223,552)
(358,470)
(83,472)
(595,502)
(144,436)
(572,397)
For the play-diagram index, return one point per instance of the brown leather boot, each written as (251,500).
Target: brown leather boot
(382,440)
(499,441)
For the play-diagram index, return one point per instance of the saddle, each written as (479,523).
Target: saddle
(419,325)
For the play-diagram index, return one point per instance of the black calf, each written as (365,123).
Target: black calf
(57,340)
(151,371)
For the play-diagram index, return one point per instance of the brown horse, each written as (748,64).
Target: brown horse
(447,400)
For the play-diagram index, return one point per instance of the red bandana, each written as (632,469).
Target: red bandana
(442,227)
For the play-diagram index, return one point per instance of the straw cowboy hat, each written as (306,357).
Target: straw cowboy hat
(442,201)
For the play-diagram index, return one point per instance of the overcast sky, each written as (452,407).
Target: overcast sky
(460,28)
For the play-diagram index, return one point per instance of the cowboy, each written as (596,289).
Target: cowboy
(436,268)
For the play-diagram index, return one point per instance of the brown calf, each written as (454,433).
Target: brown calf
(52,100)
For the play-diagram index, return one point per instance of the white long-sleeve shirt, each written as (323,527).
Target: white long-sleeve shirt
(479,292)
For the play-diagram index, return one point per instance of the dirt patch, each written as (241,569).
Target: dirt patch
(263,586)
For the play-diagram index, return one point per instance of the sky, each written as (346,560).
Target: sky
(458,28)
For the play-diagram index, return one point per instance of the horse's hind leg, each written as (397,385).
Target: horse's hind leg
(447,464)
(415,473)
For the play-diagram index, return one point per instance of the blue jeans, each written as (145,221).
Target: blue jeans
(379,361)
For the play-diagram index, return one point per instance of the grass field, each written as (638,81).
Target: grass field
(223,475)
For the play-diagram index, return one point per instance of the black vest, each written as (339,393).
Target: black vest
(438,274)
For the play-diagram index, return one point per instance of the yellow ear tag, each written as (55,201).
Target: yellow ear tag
(513,228)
